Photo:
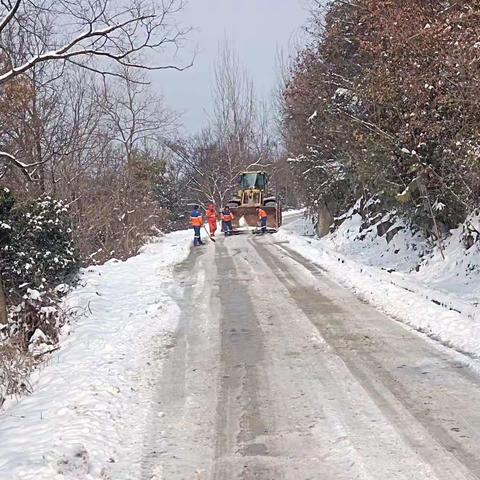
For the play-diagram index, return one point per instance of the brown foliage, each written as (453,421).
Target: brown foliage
(16,365)
(395,86)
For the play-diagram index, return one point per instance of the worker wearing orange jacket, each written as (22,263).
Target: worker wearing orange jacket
(211,215)
(262,216)
(227,218)
(196,221)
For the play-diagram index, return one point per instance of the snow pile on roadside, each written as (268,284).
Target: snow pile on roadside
(301,227)
(292,212)
(403,252)
(459,272)
(440,299)
(86,417)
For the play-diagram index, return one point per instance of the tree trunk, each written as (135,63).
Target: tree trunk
(3,305)
(325,220)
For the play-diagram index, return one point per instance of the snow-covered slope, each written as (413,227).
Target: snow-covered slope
(90,402)
(434,295)
(402,253)
(457,272)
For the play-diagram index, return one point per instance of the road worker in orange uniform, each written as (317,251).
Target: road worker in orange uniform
(262,216)
(227,218)
(211,215)
(196,221)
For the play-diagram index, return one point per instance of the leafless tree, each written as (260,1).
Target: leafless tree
(80,142)
(133,113)
(201,161)
(93,34)
(238,137)
(234,99)
(135,126)
(31,125)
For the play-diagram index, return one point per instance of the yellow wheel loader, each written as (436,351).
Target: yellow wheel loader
(252,194)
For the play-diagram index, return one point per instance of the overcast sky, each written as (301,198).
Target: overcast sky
(257,29)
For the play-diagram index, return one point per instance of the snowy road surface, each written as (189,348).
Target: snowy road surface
(275,372)
(244,361)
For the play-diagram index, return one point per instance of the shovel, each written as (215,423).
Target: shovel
(209,236)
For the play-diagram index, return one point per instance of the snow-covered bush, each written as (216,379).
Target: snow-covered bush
(38,316)
(36,245)
(471,231)
(36,254)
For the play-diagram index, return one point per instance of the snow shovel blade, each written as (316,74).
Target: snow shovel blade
(258,231)
(247,215)
(209,236)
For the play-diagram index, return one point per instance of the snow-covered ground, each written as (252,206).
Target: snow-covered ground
(131,396)
(439,298)
(86,417)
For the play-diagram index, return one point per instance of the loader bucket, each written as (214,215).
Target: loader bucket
(248,217)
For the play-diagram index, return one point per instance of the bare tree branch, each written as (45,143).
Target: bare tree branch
(27,170)
(10,14)
(96,35)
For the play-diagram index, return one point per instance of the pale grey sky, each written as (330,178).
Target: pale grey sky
(256,29)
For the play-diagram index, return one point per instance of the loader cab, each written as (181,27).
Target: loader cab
(253,181)
(252,188)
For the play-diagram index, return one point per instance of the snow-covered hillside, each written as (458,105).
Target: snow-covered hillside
(404,277)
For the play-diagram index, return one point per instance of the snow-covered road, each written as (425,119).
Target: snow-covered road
(244,361)
(278,373)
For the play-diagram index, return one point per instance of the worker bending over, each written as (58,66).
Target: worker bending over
(262,216)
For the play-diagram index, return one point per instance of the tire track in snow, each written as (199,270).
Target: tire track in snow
(448,457)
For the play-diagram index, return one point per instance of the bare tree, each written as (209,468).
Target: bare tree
(201,161)
(93,34)
(136,126)
(30,127)
(234,99)
(134,115)
(79,143)
(238,137)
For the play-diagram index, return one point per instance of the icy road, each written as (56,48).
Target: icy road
(276,372)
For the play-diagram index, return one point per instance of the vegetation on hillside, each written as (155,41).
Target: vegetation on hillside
(384,102)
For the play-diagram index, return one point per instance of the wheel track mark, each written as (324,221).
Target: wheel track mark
(163,457)
(303,297)
(173,364)
(240,425)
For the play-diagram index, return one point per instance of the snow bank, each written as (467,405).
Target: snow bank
(402,253)
(86,417)
(440,299)
(458,273)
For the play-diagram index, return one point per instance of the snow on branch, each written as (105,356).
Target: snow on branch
(97,35)
(106,30)
(27,169)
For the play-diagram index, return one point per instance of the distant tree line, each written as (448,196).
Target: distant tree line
(238,136)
